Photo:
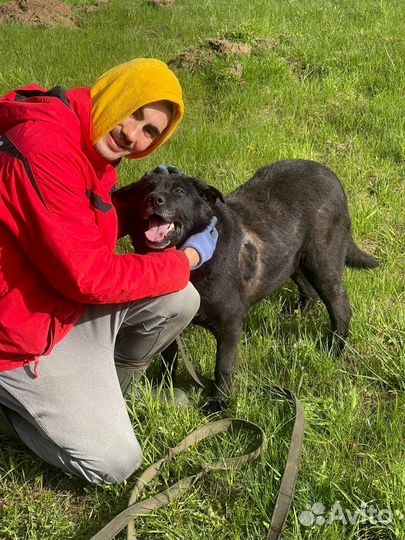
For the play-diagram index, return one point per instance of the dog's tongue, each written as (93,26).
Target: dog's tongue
(158,230)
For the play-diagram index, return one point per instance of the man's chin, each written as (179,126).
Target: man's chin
(104,150)
(107,148)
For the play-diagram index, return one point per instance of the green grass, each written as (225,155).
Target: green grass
(330,89)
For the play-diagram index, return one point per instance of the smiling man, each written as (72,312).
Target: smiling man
(77,321)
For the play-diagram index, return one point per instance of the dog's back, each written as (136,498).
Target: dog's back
(299,202)
(292,189)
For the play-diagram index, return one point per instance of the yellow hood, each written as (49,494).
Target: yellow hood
(122,90)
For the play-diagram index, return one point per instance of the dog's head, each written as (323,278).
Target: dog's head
(162,210)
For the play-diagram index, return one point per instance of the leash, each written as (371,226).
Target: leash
(232,425)
(290,474)
(179,488)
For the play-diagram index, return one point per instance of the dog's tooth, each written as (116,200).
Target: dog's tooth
(171,227)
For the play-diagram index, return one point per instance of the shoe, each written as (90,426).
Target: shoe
(128,376)
(6,428)
(171,396)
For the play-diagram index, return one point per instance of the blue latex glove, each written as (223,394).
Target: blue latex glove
(170,169)
(204,242)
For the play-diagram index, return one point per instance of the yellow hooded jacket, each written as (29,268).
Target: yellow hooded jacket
(122,90)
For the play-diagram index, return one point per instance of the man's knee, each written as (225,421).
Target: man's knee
(108,454)
(153,325)
(184,305)
(112,462)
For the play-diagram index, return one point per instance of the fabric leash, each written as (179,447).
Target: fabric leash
(288,481)
(290,474)
(179,488)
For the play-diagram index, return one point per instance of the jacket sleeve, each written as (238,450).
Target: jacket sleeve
(48,212)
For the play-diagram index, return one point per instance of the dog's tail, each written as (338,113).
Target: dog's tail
(356,258)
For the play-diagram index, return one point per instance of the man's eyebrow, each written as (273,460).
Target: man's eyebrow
(139,114)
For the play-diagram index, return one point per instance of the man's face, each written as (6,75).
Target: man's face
(136,133)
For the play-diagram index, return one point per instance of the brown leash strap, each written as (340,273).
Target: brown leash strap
(290,474)
(175,491)
(197,377)
(179,488)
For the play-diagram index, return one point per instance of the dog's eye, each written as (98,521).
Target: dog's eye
(179,191)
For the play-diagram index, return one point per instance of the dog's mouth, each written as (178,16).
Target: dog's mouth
(161,233)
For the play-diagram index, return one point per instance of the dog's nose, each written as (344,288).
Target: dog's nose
(157,199)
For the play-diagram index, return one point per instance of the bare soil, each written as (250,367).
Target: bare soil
(226,47)
(236,71)
(195,59)
(37,13)
(161,2)
(94,6)
(263,44)
(192,59)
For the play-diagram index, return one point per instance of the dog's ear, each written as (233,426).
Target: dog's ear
(209,193)
(124,196)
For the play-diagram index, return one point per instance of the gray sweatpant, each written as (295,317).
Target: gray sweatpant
(74,415)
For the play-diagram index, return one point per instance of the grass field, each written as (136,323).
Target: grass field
(324,80)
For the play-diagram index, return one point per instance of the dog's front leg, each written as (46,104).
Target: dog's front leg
(226,360)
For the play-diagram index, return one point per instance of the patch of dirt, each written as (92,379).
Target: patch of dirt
(226,47)
(161,2)
(264,44)
(195,59)
(91,8)
(339,147)
(302,70)
(37,13)
(236,71)
(192,59)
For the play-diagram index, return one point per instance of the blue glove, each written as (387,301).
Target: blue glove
(163,169)
(204,242)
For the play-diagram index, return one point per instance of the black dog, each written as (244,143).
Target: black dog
(291,220)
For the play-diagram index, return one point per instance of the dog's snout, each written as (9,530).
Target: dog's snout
(157,199)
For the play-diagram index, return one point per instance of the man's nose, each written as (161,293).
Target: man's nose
(136,138)
(131,131)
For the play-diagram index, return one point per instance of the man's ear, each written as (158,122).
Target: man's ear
(209,193)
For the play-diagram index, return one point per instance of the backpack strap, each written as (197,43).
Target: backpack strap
(58,92)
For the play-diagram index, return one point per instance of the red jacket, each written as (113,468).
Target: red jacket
(58,228)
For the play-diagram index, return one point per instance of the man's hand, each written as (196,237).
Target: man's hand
(204,243)
(192,256)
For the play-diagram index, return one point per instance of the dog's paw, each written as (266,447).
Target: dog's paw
(213,406)
(336,345)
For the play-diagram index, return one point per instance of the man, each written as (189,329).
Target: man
(78,321)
